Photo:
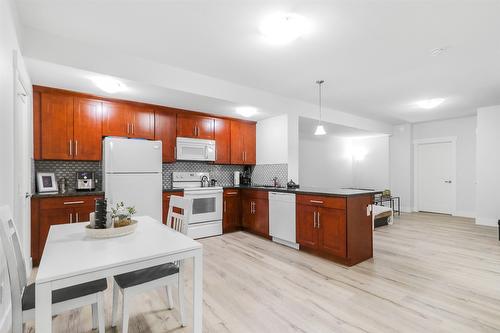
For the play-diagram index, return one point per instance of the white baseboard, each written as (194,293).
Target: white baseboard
(5,322)
(486,221)
(465,214)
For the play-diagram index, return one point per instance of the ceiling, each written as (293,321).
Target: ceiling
(375,56)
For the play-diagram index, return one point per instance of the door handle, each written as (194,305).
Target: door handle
(27,195)
(319,221)
(76,214)
(70,147)
(224,206)
(76,147)
(70,218)
(133,128)
(316,201)
(314,220)
(73,202)
(447,181)
(128,128)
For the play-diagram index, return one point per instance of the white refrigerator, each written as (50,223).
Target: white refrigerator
(132,173)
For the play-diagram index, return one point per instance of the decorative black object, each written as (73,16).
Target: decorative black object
(292,184)
(101,206)
(499,230)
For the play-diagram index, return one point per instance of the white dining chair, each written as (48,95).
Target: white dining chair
(23,294)
(166,275)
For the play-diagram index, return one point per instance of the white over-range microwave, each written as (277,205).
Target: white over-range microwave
(195,149)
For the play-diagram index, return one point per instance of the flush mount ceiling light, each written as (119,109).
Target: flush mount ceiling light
(430,103)
(246,111)
(108,84)
(283,28)
(439,51)
(320,129)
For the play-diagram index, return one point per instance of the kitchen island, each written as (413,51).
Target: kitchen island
(332,223)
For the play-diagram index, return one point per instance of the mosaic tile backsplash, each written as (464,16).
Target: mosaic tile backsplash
(261,174)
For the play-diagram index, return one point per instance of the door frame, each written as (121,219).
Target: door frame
(420,142)
(20,77)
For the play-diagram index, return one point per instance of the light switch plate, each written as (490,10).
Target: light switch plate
(368,210)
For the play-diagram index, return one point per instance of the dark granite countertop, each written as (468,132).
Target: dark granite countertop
(171,189)
(337,192)
(68,194)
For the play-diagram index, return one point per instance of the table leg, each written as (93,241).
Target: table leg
(43,307)
(198,292)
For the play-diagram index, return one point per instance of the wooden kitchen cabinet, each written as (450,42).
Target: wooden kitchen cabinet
(166,202)
(321,224)
(243,142)
(87,129)
(255,212)
(165,128)
(128,120)
(195,126)
(70,128)
(56,126)
(231,210)
(222,141)
(46,212)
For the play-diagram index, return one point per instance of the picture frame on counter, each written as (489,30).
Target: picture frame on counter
(46,182)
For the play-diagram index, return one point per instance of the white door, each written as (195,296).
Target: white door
(435,177)
(22,167)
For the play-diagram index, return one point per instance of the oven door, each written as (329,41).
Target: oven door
(207,205)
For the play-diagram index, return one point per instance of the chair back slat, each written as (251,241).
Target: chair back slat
(17,272)
(179,214)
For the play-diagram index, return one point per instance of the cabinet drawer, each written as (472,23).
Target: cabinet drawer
(255,194)
(68,202)
(231,193)
(320,201)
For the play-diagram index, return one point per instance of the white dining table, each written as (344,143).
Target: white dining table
(70,257)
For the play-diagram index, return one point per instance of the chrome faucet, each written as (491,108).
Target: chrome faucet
(275,181)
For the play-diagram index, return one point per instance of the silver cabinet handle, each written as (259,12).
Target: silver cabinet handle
(243,156)
(71,218)
(316,201)
(175,152)
(76,147)
(73,202)
(319,221)
(76,214)
(314,219)
(224,206)
(133,128)
(231,193)
(70,147)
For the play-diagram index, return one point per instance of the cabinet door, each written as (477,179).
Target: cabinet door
(307,233)
(332,231)
(142,122)
(237,152)
(222,141)
(82,213)
(186,126)
(231,220)
(57,127)
(261,213)
(205,128)
(165,127)
(247,216)
(115,119)
(87,129)
(249,143)
(48,217)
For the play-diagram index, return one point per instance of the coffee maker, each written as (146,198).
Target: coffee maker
(85,181)
(246,176)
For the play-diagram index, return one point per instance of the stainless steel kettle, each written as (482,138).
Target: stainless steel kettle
(205,182)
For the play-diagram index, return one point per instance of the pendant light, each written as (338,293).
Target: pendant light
(320,129)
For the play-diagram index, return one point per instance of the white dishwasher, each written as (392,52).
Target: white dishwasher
(282,218)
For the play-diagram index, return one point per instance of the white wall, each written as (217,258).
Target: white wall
(272,140)
(488,165)
(371,169)
(8,44)
(401,165)
(325,162)
(464,129)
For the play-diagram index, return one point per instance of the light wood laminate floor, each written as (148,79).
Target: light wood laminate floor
(430,273)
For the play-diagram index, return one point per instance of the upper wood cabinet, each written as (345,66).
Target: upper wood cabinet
(87,129)
(70,128)
(165,129)
(121,119)
(243,142)
(57,127)
(222,141)
(195,126)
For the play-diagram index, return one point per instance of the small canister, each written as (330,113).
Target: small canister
(236,178)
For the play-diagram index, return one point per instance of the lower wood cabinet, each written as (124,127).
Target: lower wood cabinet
(46,212)
(320,227)
(255,212)
(166,203)
(231,210)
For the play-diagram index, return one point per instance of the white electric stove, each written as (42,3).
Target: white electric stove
(206,216)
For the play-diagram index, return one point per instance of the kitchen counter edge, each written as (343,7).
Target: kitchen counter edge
(310,191)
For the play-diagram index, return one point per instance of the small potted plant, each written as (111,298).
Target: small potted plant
(122,215)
